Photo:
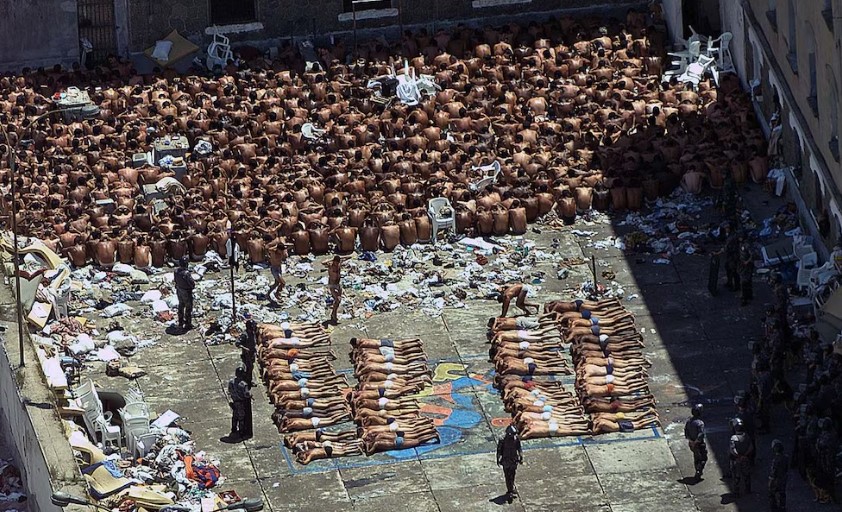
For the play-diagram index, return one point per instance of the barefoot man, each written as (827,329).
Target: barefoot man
(518,291)
(277,257)
(334,284)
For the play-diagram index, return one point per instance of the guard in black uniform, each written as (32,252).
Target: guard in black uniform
(777,478)
(694,432)
(248,348)
(509,455)
(238,390)
(184,285)
(740,453)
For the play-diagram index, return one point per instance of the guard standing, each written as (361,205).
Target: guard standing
(240,394)
(740,450)
(746,273)
(184,285)
(248,348)
(746,415)
(777,478)
(732,258)
(694,432)
(509,455)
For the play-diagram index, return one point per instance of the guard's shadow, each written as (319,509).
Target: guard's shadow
(499,500)
(689,480)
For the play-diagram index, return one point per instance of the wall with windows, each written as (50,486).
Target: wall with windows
(262,21)
(793,50)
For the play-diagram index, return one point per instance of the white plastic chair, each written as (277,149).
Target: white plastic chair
(685,57)
(490,173)
(820,277)
(806,264)
(442,215)
(696,71)
(143,443)
(720,48)
(108,433)
(219,52)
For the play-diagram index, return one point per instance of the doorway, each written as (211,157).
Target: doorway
(97,30)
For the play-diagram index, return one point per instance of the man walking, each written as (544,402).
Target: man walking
(694,432)
(238,390)
(184,285)
(334,285)
(509,455)
(777,478)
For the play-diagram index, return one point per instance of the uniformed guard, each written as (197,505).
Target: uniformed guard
(248,348)
(746,272)
(732,258)
(184,285)
(739,452)
(694,432)
(509,455)
(745,413)
(777,478)
(240,394)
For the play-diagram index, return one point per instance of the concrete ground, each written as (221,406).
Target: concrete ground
(697,344)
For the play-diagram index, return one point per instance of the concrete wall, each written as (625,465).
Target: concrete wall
(152,19)
(30,423)
(765,48)
(38,33)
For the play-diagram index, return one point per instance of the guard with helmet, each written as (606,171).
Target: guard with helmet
(694,432)
(184,285)
(740,452)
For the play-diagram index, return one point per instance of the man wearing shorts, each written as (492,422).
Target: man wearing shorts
(277,257)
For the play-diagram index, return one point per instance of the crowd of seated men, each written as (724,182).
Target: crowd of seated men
(389,372)
(573,110)
(611,372)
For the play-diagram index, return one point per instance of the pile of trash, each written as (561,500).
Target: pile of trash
(12,493)
(671,227)
(170,470)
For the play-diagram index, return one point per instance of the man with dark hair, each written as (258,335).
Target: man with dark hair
(519,292)
(509,455)
(184,285)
